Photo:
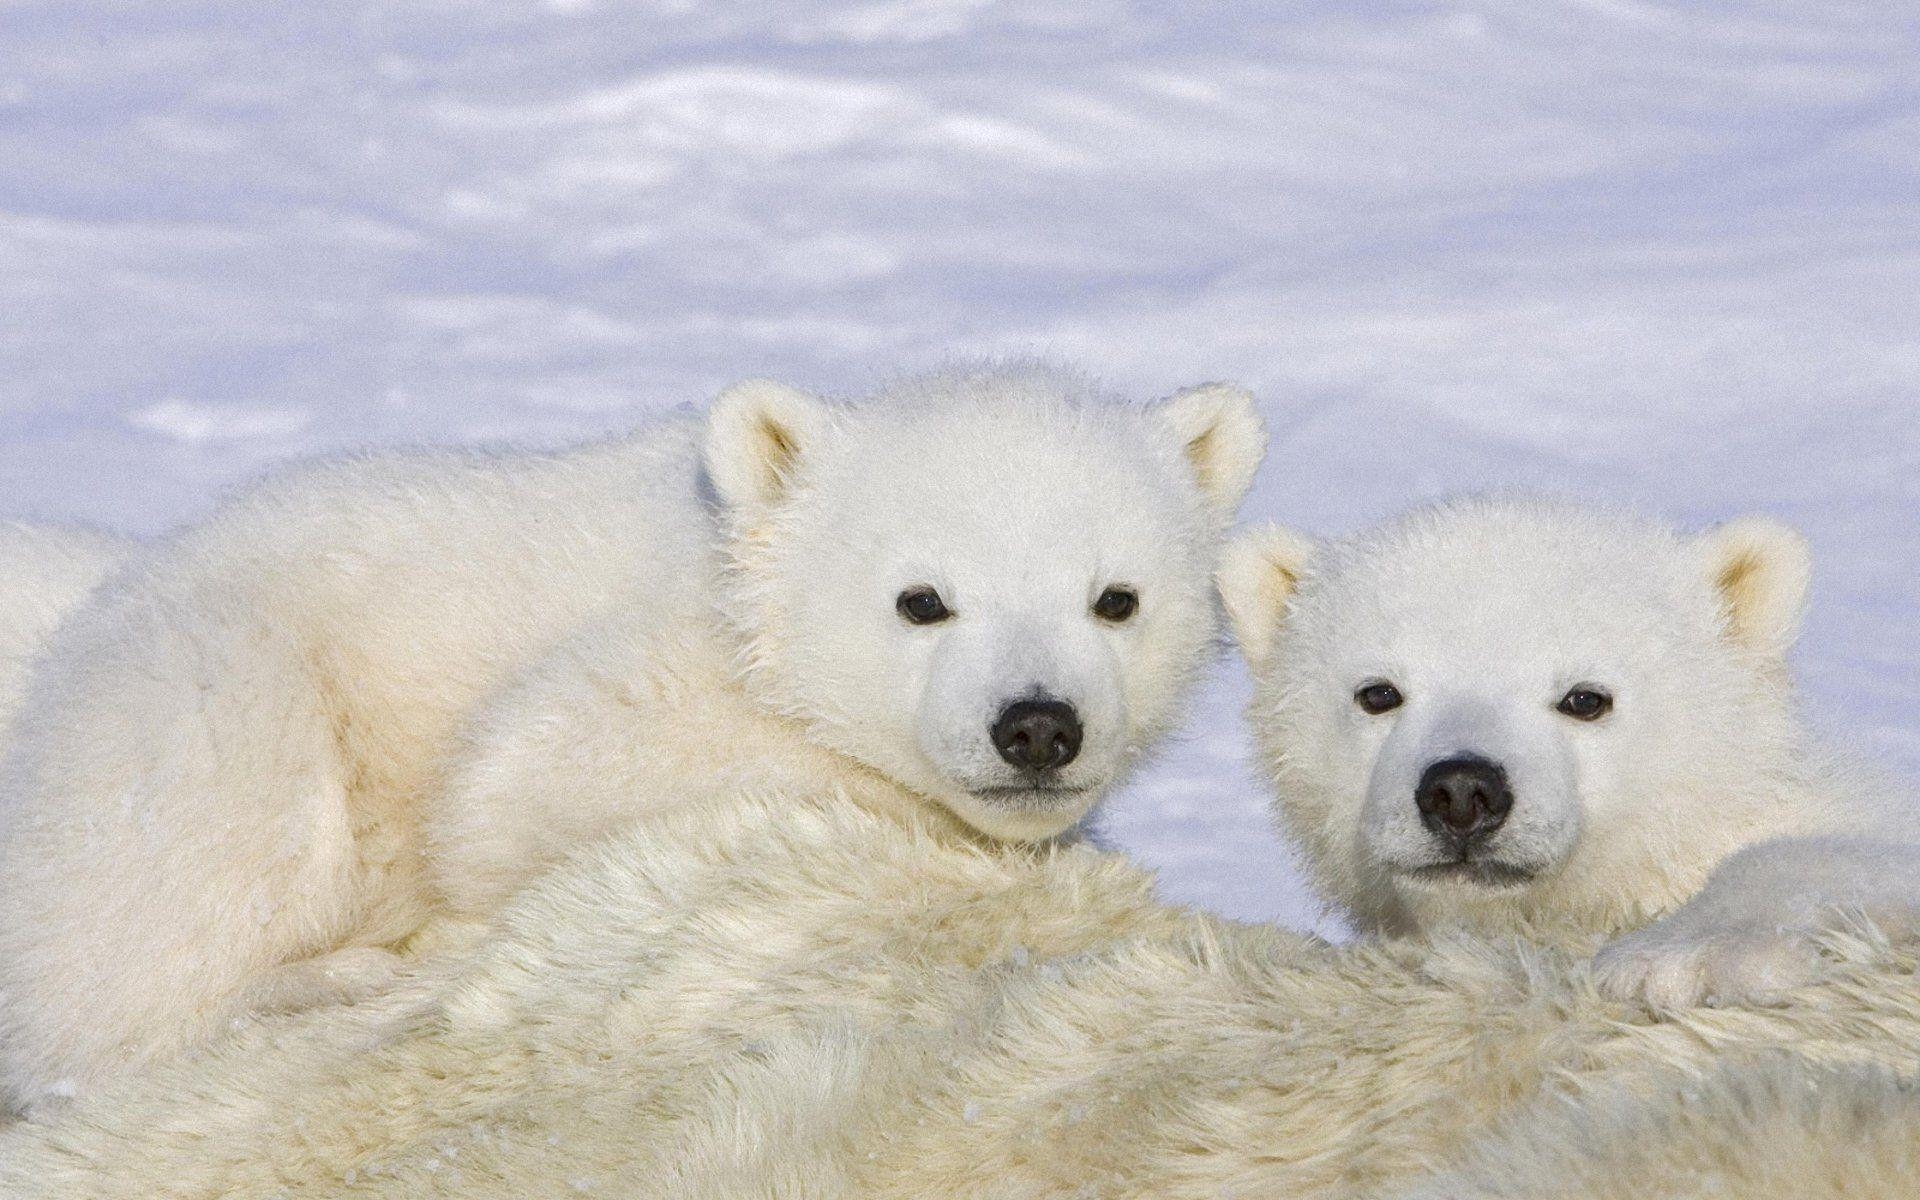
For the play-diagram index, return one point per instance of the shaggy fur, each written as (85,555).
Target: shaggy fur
(1698,787)
(371,692)
(787,998)
(1779,1129)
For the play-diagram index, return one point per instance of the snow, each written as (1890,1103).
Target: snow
(1656,253)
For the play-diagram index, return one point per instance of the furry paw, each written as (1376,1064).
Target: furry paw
(1671,968)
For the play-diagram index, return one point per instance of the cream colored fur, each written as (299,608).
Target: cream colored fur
(45,572)
(1698,794)
(800,997)
(1780,1128)
(371,693)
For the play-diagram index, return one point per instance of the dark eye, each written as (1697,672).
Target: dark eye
(1377,698)
(1586,703)
(922,606)
(1116,604)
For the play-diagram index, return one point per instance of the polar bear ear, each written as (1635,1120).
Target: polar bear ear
(757,432)
(1762,571)
(1222,438)
(1259,571)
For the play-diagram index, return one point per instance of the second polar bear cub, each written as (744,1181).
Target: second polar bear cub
(1515,714)
(374,692)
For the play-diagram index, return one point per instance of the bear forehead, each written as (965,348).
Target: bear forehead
(1506,583)
(1014,479)
(1522,554)
(1023,435)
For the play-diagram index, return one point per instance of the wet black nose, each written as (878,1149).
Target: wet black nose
(1037,735)
(1463,799)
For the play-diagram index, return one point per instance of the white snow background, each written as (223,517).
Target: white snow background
(1656,253)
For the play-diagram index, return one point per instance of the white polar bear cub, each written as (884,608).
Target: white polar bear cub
(1511,715)
(377,691)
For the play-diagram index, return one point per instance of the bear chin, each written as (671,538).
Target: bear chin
(1025,814)
(1472,876)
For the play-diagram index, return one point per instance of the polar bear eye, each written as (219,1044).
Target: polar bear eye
(922,606)
(1586,703)
(1377,698)
(1116,604)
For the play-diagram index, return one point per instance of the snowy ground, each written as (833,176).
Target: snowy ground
(1660,253)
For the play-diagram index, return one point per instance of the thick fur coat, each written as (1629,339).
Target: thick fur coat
(369,694)
(799,997)
(1777,1128)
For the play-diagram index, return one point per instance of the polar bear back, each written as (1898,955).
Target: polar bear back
(411,583)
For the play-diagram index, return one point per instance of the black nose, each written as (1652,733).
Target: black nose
(1037,735)
(1463,799)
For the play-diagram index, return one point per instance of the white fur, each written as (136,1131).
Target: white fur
(1485,614)
(1750,935)
(45,572)
(790,995)
(296,733)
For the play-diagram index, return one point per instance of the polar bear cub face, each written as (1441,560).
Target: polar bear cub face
(1496,711)
(992,588)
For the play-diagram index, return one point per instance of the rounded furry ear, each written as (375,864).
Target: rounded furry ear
(1259,570)
(1762,570)
(1221,436)
(757,431)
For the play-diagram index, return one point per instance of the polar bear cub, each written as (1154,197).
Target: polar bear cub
(1511,714)
(988,593)
(293,736)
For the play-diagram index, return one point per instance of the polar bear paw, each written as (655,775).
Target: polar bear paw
(1673,968)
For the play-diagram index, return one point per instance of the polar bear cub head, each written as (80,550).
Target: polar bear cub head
(1500,713)
(993,588)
